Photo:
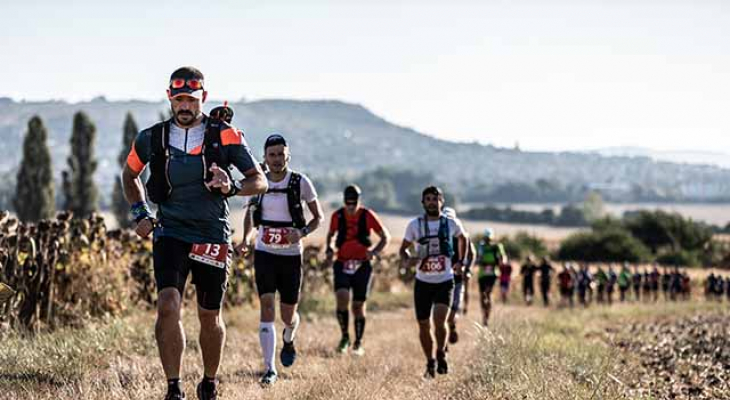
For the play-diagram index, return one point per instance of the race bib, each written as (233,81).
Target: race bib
(435,265)
(351,266)
(213,254)
(276,237)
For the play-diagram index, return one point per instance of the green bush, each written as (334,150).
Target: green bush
(611,245)
(681,257)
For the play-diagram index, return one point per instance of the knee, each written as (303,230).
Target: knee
(358,309)
(168,304)
(424,326)
(210,318)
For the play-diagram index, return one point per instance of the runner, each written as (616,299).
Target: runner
(432,237)
(666,283)
(546,270)
(654,278)
(565,284)
(584,279)
(528,271)
(351,225)
(611,284)
(636,283)
(279,218)
(489,256)
(188,157)
(505,278)
(602,283)
(461,282)
(624,281)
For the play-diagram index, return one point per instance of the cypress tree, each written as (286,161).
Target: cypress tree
(79,189)
(120,207)
(34,194)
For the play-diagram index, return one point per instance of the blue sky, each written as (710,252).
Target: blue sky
(551,75)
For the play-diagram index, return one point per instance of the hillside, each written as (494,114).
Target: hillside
(332,138)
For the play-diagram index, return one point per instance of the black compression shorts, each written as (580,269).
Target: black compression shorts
(426,295)
(359,282)
(172,266)
(278,273)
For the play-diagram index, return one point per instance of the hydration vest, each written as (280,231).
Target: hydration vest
(158,184)
(446,248)
(363,234)
(293,198)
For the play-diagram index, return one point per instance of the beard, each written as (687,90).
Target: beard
(185,117)
(433,212)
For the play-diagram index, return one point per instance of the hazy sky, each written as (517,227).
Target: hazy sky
(548,74)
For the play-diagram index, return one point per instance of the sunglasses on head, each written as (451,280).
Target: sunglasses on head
(179,83)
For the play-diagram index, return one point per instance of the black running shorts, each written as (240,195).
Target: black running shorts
(172,266)
(359,282)
(278,273)
(486,283)
(426,295)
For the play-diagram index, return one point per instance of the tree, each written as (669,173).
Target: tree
(593,207)
(34,194)
(80,191)
(119,203)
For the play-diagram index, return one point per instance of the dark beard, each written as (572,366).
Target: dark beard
(433,213)
(180,123)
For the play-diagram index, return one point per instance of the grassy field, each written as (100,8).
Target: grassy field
(527,353)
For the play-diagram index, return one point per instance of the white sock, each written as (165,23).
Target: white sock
(267,338)
(290,331)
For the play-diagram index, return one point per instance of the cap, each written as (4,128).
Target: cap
(352,192)
(187,73)
(274,140)
(489,233)
(432,190)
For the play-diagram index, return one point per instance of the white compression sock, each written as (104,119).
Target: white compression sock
(267,338)
(290,332)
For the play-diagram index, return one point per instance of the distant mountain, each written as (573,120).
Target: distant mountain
(687,156)
(332,138)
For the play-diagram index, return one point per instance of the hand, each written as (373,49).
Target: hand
(144,227)
(294,236)
(458,268)
(329,253)
(220,180)
(242,249)
(372,254)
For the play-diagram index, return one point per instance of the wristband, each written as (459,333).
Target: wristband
(140,210)
(305,231)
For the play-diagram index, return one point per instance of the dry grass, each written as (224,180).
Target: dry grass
(528,353)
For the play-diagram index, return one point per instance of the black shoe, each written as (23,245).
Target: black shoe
(430,370)
(269,378)
(288,354)
(207,390)
(174,395)
(442,366)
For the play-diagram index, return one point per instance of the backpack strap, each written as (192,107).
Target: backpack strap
(294,199)
(158,184)
(363,234)
(341,228)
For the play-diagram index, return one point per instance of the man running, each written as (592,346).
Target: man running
(351,225)
(546,270)
(489,257)
(624,281)
(188,156)
(433,235)
(528,279)
(279,216)
(611,284)
(461,282)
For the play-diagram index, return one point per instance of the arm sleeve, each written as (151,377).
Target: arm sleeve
(239,153)
(139,154)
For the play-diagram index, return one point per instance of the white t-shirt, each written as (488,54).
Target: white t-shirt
(276,208)
(433,268)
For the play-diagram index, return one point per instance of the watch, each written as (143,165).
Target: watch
(236,187)
(305,231)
